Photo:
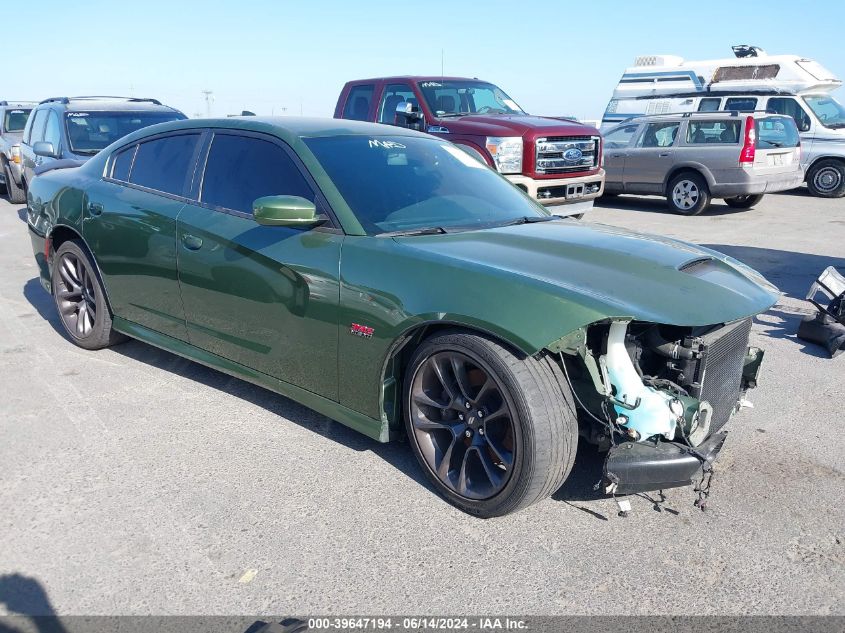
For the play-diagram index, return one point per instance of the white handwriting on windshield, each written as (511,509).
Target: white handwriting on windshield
(374,142)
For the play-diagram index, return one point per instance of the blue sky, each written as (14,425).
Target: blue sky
(552,58)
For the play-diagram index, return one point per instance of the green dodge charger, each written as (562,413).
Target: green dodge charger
(390,281)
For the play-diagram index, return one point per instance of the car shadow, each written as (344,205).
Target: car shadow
(790,271)
(658,205)
(801,192)
(22,214)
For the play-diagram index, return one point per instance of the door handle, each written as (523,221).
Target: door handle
(664,154)
(617,155)
(191,242)
(95,208)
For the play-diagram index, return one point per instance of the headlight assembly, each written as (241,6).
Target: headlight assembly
(506,152)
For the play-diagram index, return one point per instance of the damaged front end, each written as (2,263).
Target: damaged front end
(657,397)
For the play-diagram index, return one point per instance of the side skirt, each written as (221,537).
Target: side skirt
(376,429)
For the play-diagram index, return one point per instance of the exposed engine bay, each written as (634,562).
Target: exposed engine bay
(657,396)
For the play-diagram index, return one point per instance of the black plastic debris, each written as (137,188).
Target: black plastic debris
(827,326)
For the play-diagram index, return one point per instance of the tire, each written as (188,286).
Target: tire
(14,193)
(485,462)
(826,178)
(688,194)
(78,294)
(743,202)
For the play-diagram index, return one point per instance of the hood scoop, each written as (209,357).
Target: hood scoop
(698,266)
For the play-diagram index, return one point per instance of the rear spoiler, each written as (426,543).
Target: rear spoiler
(63,163)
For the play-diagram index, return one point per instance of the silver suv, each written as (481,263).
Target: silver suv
(691,158)
(13,118)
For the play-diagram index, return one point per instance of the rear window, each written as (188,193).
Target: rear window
(162,164)
(89,132)
(708,132)
(358,102)
(15,120)
(742,104)
(775,132)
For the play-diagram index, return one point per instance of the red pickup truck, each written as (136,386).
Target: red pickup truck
(555,161)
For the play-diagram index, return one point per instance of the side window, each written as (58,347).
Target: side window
(394,94)
(713,132)
(52,132)
(742,104)
(241,169)
(36,132)
(163,164)
(709,104)
(357,105)
(659,134)
(122,164)
(621,137)
(790,107)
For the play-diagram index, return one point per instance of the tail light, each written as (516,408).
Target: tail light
(16,154)
(749,147)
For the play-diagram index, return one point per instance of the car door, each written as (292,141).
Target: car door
(32,135)
(130,225)
(617,142)
(265,297)
(648,162)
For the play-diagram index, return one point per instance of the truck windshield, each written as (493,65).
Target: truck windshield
(829,111)
(401,183)
(456,98)
(89,132)
(15,120)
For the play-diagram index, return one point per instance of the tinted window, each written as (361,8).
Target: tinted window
(709,104)
(163,164)
(453,97)
(358,103)
(659,134)
(774,132)
(620,137)
(398,182)
(790,107)
(713,132)
(52,132)
(122,163)
(743,104)
(36,132)
(89,132)
(15,120)
(394,94)
(241,169)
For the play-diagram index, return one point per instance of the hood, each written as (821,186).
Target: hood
(514,125)
(14,138)
(611,271)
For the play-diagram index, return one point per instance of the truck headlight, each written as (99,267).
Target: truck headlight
(506,152)
(16,154)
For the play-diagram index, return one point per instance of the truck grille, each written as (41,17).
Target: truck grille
(561,154)
(720,369)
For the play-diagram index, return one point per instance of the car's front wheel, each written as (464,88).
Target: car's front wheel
(743,202)
(493,431)
(688,194)
(826,178)
(80,298)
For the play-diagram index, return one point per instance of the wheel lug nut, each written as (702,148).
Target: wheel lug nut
(467,405)
(461,417)
(480,414)
(468,433)
(481,431)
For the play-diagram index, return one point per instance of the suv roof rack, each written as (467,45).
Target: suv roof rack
(16,103)
(687,115)
(101,97)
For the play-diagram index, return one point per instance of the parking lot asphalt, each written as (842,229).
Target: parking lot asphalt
(135,482)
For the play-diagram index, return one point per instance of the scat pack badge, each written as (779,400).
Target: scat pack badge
(361,330)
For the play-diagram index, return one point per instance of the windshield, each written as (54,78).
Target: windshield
(15,120)
(89,132)
(829,111)
(404,183)
(454,98)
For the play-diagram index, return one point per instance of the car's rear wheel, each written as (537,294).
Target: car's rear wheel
(826,178)
(743,202)
(14,193)
(688,194)
(80,298)
(494,432)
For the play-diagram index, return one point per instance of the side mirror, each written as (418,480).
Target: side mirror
(45,149)
(407,113)
(285,211)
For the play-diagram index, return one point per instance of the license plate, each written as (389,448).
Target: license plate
(777,160)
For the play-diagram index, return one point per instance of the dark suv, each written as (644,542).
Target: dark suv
(13,118)
(73,129)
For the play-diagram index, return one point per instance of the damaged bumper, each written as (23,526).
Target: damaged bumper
(642,467)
